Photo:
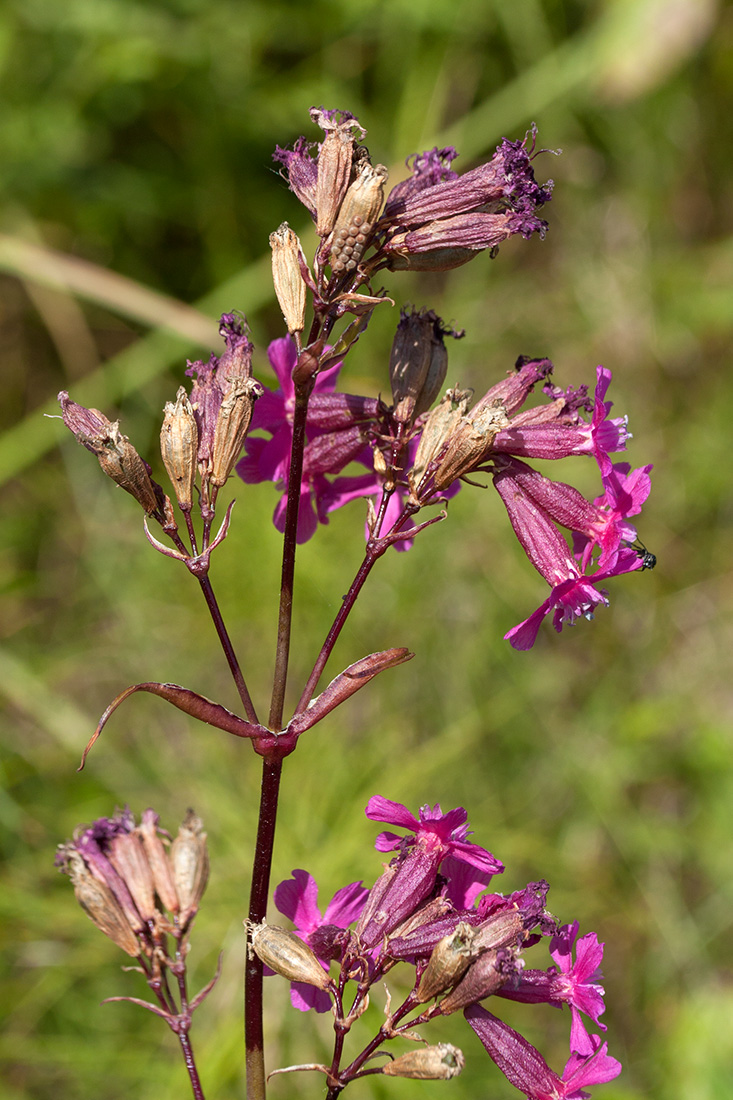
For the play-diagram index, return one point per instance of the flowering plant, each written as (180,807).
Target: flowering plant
(432,909)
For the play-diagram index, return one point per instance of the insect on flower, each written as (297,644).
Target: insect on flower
(648,560)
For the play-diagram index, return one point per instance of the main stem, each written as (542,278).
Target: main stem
(285,615)
(255,1060)
(272,767)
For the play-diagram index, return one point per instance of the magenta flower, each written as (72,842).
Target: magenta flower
(535,504)
(574,983)
(533,435)
(411,877)
(334,439)
(434,831)
(296,899)
(625,492)
(526,1069)
(573,597)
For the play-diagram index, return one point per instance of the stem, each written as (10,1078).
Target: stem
(190,1061)
(285,615)
(255,1061)
(374,551)
(228,648)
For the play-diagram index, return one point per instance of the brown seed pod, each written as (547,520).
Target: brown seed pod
(432,1063)
(286,954)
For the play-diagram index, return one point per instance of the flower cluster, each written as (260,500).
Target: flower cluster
(143,890)
(435,220)
(428,910)
(125,876)
(421,458)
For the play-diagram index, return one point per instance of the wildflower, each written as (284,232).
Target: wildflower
(569,982)
(575,596)
(411,877)
(435,220)
(336,426)
(526,1069)
(625,490)
(535,504)
(223,397)
(534,436)
(440,220)
(296,899)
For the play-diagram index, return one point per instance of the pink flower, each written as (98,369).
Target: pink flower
(570,982)
(411,877)
(536,436)
(575,596)
(526,1069)
(335,438)
(576,982)
(625,492)
(296,899)
(434,831)
(535,504)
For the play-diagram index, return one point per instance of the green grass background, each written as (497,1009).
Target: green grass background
(138,136)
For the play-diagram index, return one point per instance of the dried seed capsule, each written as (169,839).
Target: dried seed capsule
(179,440)
(489,973)
(189,860)
(98,901)
(438,428)
(127,856)
(448,962)
(116,455)
(433,1063)
(469,444)
(158,859)
(287,277)
(287,954)
(334,170)
(357,216)
(418,363)
(232,425)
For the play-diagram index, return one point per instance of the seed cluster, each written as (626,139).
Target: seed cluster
(348,244)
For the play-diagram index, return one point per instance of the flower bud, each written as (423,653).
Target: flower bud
(97,900)
(357,216)
(179,440)
(448,962)
(418,364)
(117,456)
(433,1063)
(160,867)
(189,860)
(287,277)
(288,955)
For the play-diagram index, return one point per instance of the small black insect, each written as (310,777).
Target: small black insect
(648,560)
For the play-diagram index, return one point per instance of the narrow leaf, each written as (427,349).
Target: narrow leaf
(345,684)
(186,700)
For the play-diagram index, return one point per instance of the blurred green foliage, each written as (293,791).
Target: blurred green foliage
(138,136)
